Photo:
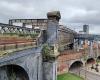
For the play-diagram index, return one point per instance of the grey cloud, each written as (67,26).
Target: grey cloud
(88,17)
(74,12)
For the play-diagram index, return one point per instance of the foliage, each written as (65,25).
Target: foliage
(11,34)
(13,76)
(97,62)
(85,57)
(46,51)
(34,35)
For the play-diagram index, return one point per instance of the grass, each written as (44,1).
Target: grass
(68,76)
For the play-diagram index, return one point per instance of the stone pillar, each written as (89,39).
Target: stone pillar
(53,25)
(50,67)
(50,70)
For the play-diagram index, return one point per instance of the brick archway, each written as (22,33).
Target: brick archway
(76,65)
(90,61)
(66,59)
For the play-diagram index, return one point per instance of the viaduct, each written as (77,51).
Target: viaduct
(21,48)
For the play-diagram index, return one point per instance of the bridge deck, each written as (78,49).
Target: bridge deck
(19,54)
(9,45)
(87,36)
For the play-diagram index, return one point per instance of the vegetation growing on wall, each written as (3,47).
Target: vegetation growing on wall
(20,34)
(47,51)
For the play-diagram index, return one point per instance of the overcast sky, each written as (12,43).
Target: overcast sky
(74,13)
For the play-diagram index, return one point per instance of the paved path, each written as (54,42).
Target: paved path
(86,74)
(89,75)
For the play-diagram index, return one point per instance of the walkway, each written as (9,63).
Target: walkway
(86,74)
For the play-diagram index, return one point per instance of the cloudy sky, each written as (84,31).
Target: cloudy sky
(74,13)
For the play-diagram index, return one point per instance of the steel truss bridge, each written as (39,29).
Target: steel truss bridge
(87,36)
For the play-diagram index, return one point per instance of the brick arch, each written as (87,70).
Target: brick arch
(73,61)
(12,70)
(76,64)
(66,59)
(90,61)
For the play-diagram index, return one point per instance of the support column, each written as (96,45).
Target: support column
(50,70)
(97,49)
(23,25)
(10,22)
(91,49)
(75,44)
(78,45)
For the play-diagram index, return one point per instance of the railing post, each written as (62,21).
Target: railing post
(4,46)
(16,45)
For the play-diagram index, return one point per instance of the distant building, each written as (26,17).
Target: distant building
(86,29)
